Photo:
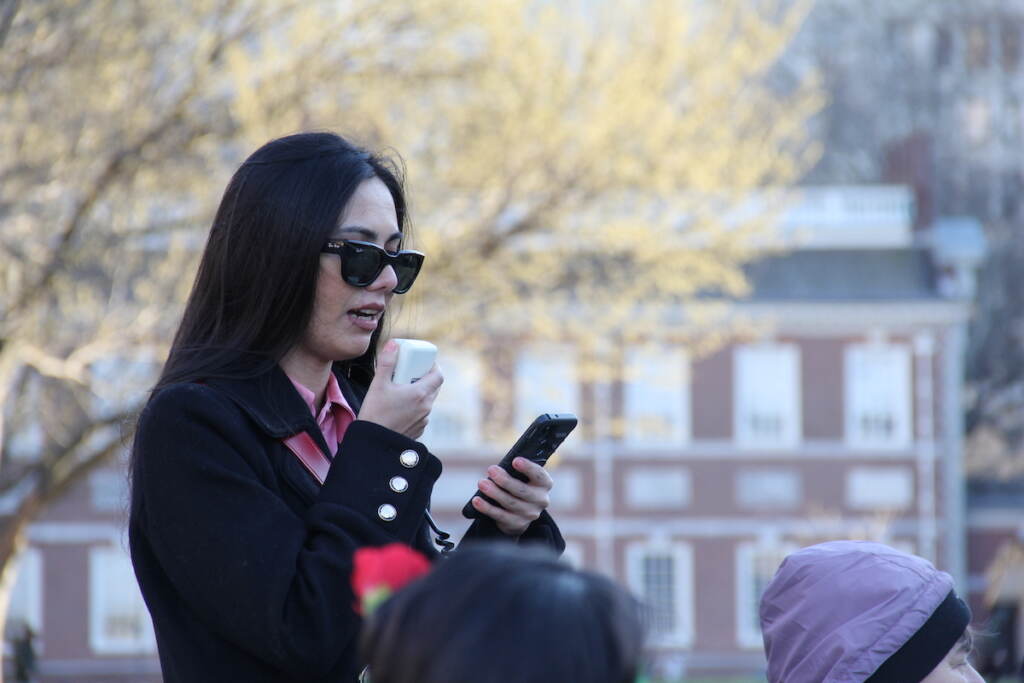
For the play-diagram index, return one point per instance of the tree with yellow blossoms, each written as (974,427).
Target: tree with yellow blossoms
(571,166)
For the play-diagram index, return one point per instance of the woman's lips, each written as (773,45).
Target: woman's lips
(368,319)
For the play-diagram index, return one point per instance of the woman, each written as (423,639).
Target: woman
(274,443)
(859,612)
(491,615)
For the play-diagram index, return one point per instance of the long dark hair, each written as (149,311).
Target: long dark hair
(502,613)
(253,295)
(254,292)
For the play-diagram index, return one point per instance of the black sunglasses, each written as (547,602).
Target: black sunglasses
(362,263)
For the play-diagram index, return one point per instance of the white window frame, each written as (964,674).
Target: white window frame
(748,624)
(100,588)
(657,473)
(669,369)
(28,582)
(567,492)
(573,554)
(855,502)
(459,396)
(743,473)
(746,384)
(530,399)
(902,409)
(455,487)
(682,586)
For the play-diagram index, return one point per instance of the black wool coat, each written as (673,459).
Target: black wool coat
(243,558)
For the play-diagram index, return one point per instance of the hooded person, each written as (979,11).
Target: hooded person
(860,612)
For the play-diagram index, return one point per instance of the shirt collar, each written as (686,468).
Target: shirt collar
(333,397)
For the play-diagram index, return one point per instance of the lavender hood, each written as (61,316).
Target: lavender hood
(834,612)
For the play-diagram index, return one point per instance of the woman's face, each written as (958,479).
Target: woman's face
(955,668)
(344,317)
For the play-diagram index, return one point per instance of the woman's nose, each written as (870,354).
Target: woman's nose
(386,280)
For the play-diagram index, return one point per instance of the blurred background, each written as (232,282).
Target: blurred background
(767,250)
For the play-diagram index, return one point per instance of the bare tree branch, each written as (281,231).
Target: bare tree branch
(8,8)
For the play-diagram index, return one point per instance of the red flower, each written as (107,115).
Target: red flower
(379,572)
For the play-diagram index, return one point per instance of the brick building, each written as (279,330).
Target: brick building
(839,418)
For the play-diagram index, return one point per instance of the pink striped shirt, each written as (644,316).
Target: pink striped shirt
(334,417)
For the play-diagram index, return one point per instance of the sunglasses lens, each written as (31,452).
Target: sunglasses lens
(407,267)
(360,265)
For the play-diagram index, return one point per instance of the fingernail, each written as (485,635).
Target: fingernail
(391,345)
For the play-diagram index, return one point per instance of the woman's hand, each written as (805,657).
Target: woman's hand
(403,408)
(521,501)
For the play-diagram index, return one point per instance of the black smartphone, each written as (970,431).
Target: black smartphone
(537,443)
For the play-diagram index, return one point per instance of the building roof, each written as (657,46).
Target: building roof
(844,275)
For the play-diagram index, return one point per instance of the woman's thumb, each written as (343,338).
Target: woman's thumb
(386,358)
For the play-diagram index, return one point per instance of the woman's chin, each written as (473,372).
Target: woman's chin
(352,348)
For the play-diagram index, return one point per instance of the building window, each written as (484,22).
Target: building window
(768,489)
(879,488)
(658,487)
(943,47)
(1010,44)
(26,606)
(878,396)
(456,414)
(977,117)
(1012,190)
(573,554)
(118,620)
(567,493)
(977,45)
(756,564)
(657,409)
(661,575)
(546,383)
(767,395)
(455,487)
(108,490)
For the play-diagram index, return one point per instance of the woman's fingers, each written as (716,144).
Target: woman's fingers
(534,472)
(510,524)
(509,502)
(535,489)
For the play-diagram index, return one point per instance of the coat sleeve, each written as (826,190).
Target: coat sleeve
(542,530)
(275,583)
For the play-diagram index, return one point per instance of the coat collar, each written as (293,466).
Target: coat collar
(271,401)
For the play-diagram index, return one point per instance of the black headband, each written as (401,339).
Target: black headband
(926,648)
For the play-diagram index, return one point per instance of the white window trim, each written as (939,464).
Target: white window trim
(682,558)
(573,554)
(851,434)
(30,560)
(629,479)
(791,437)
(748,632)
(682,427)
(742,472)
(469,407)
(905,472)
(526,411)
(98,588)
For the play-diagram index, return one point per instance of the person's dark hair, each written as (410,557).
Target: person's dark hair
(502,614)
(254,292)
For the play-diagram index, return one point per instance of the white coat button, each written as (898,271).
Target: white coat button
(387,512)
(409,458)
(399,484)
